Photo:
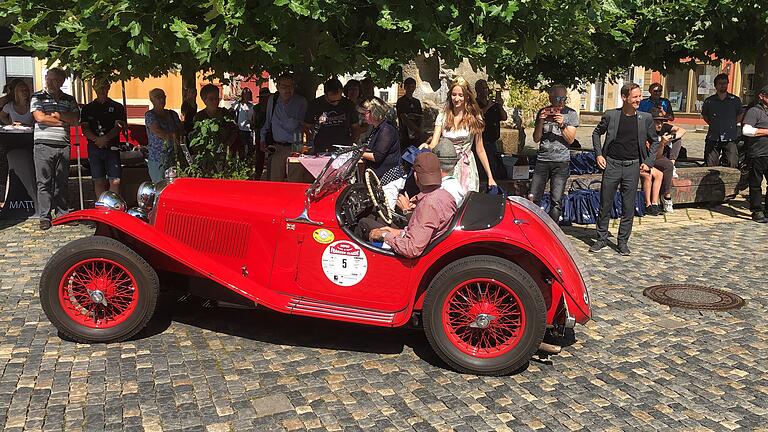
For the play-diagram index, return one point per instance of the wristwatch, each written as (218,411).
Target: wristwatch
(384,234)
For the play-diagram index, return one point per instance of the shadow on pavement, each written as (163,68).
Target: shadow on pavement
(7,223)
(586,234)
(265,325)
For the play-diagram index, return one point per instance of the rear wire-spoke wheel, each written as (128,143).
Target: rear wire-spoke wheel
(97,289)
(483,318)
(484,315)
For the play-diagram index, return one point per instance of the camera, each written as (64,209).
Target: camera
(551,112)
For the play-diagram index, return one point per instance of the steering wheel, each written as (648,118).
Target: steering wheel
(376,194)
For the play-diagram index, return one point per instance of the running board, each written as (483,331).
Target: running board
(304,306)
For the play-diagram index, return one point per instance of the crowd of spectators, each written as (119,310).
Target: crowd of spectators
(642,145)
(640,142)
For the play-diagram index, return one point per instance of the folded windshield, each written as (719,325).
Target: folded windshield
(336,173)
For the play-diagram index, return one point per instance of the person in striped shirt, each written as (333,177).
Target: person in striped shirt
(54,112)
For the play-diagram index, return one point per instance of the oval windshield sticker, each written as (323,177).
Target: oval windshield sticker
(344,263)
(323,236)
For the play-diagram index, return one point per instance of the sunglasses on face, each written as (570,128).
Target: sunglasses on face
(560,99)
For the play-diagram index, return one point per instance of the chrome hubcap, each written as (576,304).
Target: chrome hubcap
(482,321)
(98,297)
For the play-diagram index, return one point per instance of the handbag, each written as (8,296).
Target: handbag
(618,205)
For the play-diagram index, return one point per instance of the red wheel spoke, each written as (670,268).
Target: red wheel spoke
(113,280)
(501,307)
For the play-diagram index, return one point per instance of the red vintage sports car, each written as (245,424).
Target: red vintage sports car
(485,292)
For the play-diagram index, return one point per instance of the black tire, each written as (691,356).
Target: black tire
(98,248)
(515,279)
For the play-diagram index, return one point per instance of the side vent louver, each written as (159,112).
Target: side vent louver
(209,235)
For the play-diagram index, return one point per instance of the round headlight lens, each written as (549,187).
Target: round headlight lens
(111,201)
(145,196)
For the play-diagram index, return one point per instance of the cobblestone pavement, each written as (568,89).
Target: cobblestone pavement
(637,366)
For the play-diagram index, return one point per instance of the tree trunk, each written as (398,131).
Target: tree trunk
(188,79)
(761,68)
(429,69)
(307,82)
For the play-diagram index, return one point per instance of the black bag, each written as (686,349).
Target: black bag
(270,140)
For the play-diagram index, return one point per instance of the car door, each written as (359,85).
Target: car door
(333,267)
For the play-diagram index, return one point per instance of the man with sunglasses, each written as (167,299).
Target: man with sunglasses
(330,118)
(555,131)
(656,101)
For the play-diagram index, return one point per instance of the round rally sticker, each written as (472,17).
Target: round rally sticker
(344,263)
(323,236)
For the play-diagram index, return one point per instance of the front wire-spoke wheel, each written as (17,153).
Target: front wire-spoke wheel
(96,289)
(98,293)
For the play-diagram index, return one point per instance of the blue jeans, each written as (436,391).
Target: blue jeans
(556,173)
(156,170)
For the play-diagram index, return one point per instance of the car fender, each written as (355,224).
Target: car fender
(426,268)
(426,265)
(114,223)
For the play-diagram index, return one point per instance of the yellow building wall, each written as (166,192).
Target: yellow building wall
(137,91)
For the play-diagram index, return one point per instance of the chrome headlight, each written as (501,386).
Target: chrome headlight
(139,213)
(171,174)
(145,196)
(111,201)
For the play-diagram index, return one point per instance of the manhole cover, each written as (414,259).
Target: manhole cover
(693,297)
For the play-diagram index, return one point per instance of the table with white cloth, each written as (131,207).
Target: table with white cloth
(305,169)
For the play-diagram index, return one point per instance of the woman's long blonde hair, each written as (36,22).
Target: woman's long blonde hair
(473,118)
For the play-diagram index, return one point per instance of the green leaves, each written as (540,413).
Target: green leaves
(210,157)
(534,41)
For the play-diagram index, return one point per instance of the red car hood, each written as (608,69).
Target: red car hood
(232,197)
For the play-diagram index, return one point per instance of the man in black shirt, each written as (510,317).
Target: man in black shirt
(755,128)
(102,120)
(330,118)
(409,115)
(622,157)
(493,115)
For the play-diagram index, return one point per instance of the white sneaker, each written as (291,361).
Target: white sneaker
(674,172)
(668,206)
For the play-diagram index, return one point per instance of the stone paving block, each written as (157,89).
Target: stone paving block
(637,366)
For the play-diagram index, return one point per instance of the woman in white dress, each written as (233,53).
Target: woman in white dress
(459,130)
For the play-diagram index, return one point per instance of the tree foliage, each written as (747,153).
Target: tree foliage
(534,41)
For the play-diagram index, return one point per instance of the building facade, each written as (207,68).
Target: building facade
(686,89)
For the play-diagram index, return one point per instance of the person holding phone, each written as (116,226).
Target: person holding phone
(656,101)
(555,131)
(658,181)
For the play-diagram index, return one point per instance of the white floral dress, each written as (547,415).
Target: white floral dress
(458,144)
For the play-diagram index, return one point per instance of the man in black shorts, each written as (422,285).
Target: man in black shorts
(102,120)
